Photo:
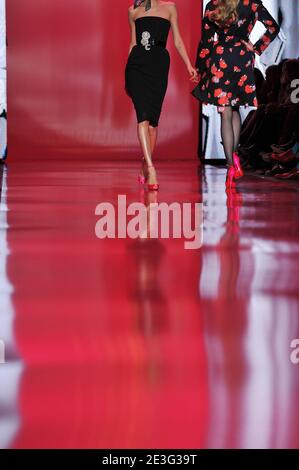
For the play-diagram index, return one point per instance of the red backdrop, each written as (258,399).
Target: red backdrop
(66,62)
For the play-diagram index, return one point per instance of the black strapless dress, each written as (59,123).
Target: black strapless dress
(147,68)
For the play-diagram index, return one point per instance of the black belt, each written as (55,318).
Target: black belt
(155,42)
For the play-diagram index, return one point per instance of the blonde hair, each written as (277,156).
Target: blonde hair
(226,12)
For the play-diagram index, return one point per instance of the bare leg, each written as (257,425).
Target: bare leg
(236,128)
(153,131)
(227,133)
(145,142)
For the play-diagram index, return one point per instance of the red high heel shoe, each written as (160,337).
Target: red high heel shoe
(230,178)
(239,170)
(152,187)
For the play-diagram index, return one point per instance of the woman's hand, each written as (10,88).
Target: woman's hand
(193,74)
(249,45)
(179,44)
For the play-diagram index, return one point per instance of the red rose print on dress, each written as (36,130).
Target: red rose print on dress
(226,66)
(218,92)
(265,39)
(216,72)
(249,89)
(223,64)
(223,100)
(242,80)
(204,53)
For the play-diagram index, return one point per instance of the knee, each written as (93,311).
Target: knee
(152,130)
(144,125)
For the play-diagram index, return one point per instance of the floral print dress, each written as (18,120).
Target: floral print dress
(225,64)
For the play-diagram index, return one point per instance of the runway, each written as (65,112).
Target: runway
(123,343)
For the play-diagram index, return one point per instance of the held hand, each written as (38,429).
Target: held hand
(193,74)
(249,45)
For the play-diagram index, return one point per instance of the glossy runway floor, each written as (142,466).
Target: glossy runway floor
(142,343)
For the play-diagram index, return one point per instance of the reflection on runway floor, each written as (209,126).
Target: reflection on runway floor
(141,343)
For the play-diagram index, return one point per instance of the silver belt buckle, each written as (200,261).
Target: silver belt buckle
(145,40)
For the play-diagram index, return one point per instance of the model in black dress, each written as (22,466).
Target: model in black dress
(147,71)
(225,63)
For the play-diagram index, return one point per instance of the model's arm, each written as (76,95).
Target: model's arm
(179,43)
(263,15)
(133,30)
(207,39)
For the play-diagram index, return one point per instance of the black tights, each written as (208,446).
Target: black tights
(230,131)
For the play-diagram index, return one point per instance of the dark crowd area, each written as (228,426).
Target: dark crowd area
(269,142)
